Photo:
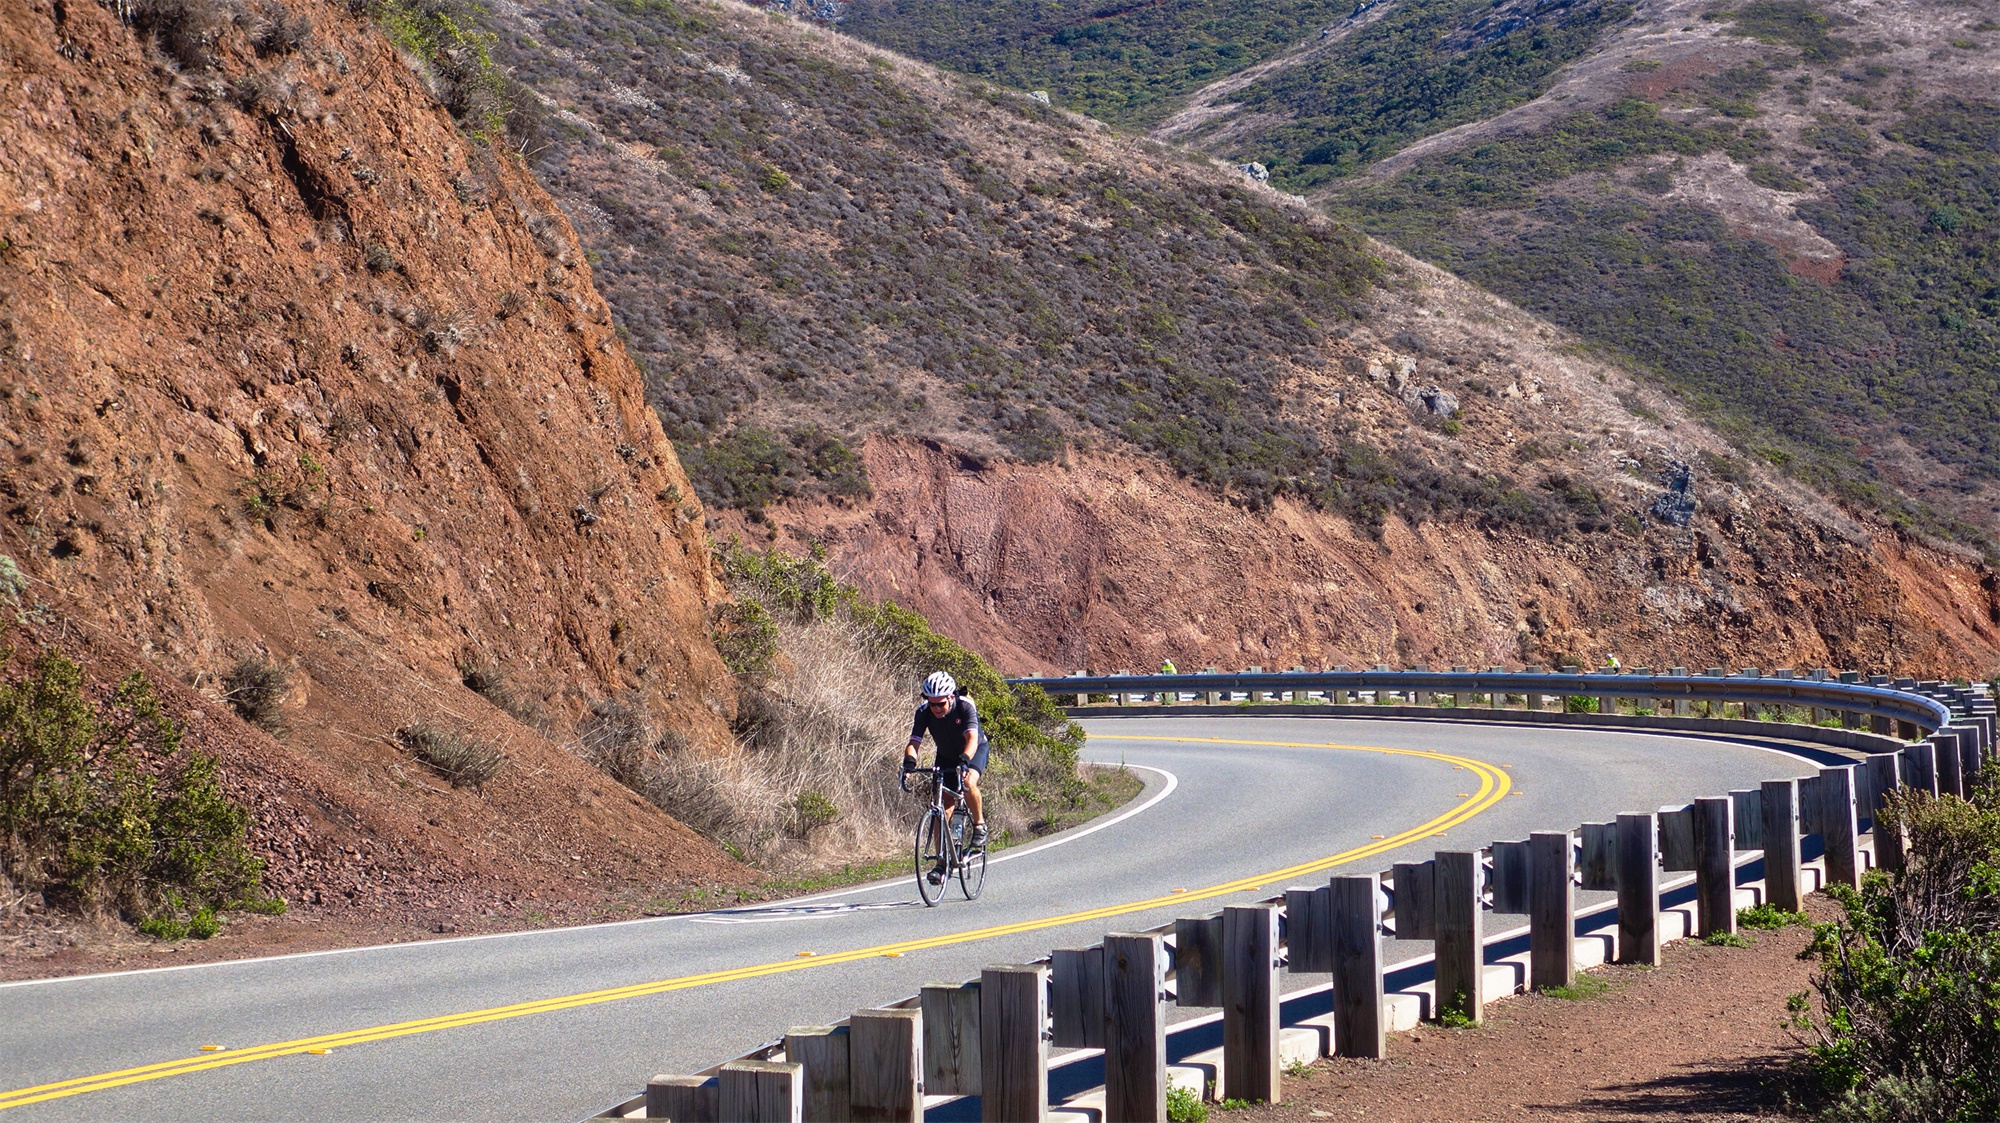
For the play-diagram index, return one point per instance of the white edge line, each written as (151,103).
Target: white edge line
(411,945)
(1173,781)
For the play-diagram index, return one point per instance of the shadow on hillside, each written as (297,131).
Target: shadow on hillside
(1754,1088)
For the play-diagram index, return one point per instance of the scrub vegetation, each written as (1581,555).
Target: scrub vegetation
(1904,1023)
(826,684)
(105,813)
(1805,372)
(967,267)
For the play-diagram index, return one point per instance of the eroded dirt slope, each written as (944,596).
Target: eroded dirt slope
(290,368)
(1108,562)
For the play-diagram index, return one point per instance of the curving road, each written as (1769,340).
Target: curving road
(557,1024)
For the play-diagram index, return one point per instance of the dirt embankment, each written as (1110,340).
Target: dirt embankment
(1110,563)
(291,368)
(1105,562)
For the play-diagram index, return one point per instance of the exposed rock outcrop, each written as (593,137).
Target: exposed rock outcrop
(290,367)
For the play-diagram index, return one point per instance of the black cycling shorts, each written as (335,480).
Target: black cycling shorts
(977,763)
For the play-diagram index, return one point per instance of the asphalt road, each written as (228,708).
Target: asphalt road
(557,1024)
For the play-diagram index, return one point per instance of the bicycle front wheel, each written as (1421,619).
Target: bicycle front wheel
(933,854)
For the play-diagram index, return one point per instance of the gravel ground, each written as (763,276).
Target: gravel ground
(1699,1038)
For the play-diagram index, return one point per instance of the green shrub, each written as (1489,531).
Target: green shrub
(103,808)
(1457,1014)
(811,811)
(1907,1024)
(1184,1106)
(747,639)
(465,761)
(1794,23)
(444,35)
(1768,916)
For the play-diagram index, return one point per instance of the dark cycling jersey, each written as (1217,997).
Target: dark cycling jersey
(948,730)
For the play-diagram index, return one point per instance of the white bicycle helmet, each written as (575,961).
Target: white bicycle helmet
(940,685)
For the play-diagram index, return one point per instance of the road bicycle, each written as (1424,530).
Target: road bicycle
(941,840)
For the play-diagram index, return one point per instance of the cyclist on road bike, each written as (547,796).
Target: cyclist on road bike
(953,723)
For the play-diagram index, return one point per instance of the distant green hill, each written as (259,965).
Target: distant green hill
(1579,224)
(1124,61)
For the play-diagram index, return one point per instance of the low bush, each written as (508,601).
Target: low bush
(255,688)
(1907,1022)
(1768,917)
(1185,1106)
(489,682)
(463,760)
(104,810)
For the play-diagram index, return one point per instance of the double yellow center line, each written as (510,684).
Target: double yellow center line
(1493,784)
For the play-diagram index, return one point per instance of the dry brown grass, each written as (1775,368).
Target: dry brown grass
(810,780)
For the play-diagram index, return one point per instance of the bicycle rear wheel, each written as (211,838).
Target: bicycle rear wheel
(933,849)
(972,873)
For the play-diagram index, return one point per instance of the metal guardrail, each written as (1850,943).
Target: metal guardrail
(1929,705)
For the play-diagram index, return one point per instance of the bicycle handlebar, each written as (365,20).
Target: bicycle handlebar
(904,780)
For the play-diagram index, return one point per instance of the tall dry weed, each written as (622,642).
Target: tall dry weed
(811,778)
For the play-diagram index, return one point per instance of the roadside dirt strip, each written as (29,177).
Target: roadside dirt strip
(1701,1037)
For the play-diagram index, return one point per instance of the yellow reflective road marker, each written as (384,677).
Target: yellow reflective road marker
(1493,785)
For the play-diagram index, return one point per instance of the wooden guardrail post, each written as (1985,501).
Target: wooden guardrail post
(1748,818)
(1250,1003)
(821,1051)
(1599,868)
(1950,763)
(1715,865)
(1837,826)
(696,1099)
(760,1091)
(885,1066)
(951,1039)
(1214,697)
(1551,911)
(1356,909)
(1510,877)
(1076,998)
(1135,1034)
(1309,930)
(1416,900)
(1198,961)
(1883,775)
(1638,890)
(1676,838)
(1920,767)
(1778,812)
(1460,960)
(1013,1048)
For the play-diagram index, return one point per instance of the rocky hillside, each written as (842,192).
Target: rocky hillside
(295,373)
(1084,399)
